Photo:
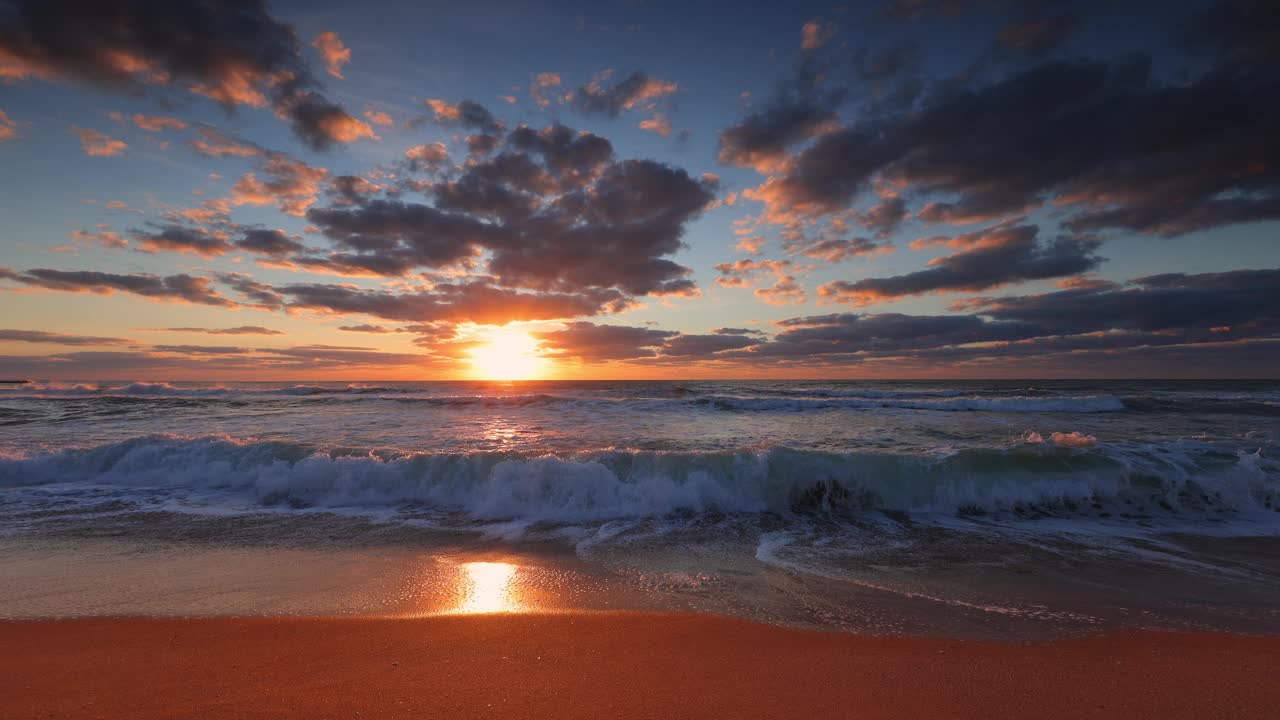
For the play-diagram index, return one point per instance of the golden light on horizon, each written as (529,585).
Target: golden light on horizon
(489,588)
(508,354)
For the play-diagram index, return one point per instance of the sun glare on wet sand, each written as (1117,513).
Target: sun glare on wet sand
(489,588)
(508,354)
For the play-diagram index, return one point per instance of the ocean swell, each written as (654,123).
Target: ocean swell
(1031,479)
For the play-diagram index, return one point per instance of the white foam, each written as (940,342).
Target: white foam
(610,485)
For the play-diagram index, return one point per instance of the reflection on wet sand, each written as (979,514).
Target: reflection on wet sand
(489,587)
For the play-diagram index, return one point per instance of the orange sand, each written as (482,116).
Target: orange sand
(610,665)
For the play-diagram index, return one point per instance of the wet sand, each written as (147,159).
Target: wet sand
(616,665)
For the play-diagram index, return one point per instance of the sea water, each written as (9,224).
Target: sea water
(969,507)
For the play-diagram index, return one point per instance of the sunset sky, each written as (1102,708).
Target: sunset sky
(402,190)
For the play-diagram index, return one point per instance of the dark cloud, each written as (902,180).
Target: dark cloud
(593,343)
(737,331)
(257,294)
(999,255)
(1111,144)
(1039,36)
(199,349)
(834,250)
(476,301)
(761,139)
(364,328)
(268,242)
(885,216)
(466,114)
(176,238)
(554,211)
(481,145)
(1238,31)
(637,91)
(183,361)
(849,333)
(1171,319)
(232,51)
(1242,300)
(40,336)
(240,330)
(704,345)
(181,287)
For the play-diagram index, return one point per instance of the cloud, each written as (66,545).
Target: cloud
(158,123)
(427,157)
(214,144)
(999,255)
(704,345)
(1109,144)
(466,114)
(364,328)
(885,216)
(95,144)
(335,54)
(200,349)
(659,124)
(761,139)
(8,128)
(541,87)
(239,330)
(1241,299)
(590,342)
(188,360)
(268,242)
(554,211)
(834,250)
(378,117)
(1039,36)
(105,238)
(40,336)
(1172,323)
(233,52)
(180,287)
(481,145)
(816,33)
(745,273)
(637,91)
(290,184)
(176,238)
(476,301)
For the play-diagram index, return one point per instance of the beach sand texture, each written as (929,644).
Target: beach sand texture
(610,665)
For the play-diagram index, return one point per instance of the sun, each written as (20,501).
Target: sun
(507,354)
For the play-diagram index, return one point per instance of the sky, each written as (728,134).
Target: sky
(237,190)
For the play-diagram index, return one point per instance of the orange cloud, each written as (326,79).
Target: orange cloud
(8,128)
(156,123)
(377,117)
(659,124)
(95,144)
(541,85)
(335,54)
(815,33)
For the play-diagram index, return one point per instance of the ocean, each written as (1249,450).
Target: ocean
(986,509)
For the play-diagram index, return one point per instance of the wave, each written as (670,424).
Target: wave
(1029,480)
(1078,404)
(766,398)
(945,401)
(166,390)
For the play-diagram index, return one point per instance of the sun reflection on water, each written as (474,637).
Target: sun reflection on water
(490,588)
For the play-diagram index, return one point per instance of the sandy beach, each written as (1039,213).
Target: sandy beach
(620,665)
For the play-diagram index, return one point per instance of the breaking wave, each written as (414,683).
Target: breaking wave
(1064,476)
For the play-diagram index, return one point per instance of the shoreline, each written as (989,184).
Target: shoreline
(625,664)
